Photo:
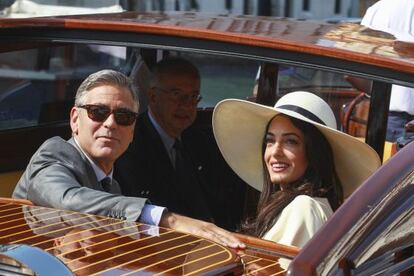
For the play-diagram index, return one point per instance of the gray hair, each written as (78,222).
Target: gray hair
(173,66)
(105,77)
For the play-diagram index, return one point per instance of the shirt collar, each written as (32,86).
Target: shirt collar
(167,140)
(98,171)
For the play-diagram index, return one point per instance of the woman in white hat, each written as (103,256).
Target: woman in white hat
(294,155)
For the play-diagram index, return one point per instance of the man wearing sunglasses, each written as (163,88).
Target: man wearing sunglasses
(77,174)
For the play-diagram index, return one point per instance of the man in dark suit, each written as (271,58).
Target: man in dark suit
(148,167)
(77,174)
(151,165)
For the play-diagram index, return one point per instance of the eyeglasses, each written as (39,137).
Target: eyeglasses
(180,96)
(99,113)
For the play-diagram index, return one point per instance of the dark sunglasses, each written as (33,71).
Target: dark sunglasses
(99,113)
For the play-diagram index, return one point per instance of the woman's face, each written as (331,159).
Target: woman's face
(284,155)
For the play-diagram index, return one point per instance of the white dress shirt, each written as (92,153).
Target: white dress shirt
(166,139)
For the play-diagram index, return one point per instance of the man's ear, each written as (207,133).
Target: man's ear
(74,120)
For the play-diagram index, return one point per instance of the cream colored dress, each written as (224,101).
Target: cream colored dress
(299,221)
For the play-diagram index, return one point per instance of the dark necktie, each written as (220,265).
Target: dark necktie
(106,184)
(193,201)
(179,158)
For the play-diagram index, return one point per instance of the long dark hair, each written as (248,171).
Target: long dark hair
(319,180)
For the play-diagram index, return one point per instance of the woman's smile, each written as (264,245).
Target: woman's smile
(279,166)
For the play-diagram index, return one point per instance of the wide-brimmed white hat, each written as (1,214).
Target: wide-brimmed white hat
(239,127)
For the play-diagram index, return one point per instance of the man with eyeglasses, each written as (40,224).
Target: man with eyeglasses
(77,174)
(170,162)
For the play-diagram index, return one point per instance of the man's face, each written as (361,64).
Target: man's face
(103,141)
(173,102)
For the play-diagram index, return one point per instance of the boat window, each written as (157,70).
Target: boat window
(223,77)
(38,85)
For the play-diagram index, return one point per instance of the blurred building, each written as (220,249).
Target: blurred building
(32,8)
(304,9)
(315,9)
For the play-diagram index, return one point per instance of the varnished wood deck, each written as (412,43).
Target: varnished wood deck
(97,245)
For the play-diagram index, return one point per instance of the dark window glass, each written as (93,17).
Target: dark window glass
(337,7)
(305,5)
(223,77)
(38,85)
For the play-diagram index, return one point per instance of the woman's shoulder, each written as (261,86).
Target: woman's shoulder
(308,200)
(300,220)
(308,204)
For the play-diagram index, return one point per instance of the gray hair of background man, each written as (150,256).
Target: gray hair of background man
(105,77)
(172,66)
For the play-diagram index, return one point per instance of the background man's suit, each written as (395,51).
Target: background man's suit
(60,176)
(145,169)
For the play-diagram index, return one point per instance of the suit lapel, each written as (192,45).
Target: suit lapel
(92,181)
(160,151)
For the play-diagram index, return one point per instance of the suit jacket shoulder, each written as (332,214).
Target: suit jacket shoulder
(59,176)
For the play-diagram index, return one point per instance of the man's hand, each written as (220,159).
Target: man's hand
(200,228)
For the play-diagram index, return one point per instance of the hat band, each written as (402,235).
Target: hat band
(303,112)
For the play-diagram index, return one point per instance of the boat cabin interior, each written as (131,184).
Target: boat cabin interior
(41,79)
